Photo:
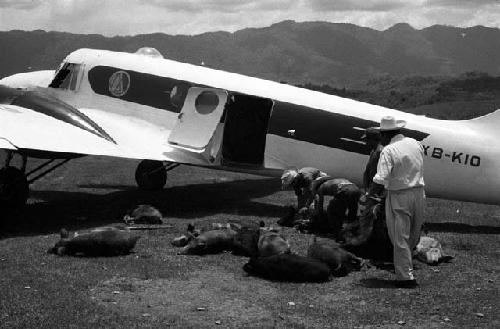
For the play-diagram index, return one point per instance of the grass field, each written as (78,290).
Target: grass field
(156,288)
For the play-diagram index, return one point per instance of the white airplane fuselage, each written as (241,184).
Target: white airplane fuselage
(194,114)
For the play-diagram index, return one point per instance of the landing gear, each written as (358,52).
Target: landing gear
(14,187)
(152,175)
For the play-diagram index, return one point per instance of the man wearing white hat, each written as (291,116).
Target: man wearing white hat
(400,170)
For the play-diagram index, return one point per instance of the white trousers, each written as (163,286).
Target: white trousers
(404,211)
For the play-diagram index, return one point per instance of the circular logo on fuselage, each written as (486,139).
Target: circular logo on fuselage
(119,83)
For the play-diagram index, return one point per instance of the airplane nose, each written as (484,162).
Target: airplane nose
(43,103)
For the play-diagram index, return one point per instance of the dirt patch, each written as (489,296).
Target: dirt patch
(206,296)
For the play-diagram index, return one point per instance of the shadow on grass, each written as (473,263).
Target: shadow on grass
(108,186)
(80,210)
(377,283)
(462,228)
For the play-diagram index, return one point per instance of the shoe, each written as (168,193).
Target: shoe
(408,284)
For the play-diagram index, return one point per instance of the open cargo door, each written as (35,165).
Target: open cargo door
(198,119)
(245,130)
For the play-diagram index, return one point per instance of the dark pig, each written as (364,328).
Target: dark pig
(289,268)
(340,261)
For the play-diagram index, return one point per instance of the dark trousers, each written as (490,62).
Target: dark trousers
(343,207)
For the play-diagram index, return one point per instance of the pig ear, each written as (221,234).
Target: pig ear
(190,227)
(64,234)
(189,236)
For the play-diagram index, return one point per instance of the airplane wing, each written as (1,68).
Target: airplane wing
(22,128)
(37,121)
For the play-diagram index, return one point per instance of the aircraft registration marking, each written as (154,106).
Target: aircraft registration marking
(453,156)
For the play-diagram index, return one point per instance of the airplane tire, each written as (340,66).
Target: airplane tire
(150,175)
(14,187)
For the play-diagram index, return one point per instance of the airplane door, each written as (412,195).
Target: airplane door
(245,130)
(198,119)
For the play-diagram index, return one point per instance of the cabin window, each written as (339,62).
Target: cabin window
(67,77)
(206,102)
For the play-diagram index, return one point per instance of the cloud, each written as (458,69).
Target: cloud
(222,6)
(462,3)
(359,5)
(20,4)
(130,17)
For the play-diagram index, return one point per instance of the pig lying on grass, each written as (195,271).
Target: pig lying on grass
(143,214)
(288,268)
(271,242)
(242,240)
(340,261)
(102,241)
(208,242)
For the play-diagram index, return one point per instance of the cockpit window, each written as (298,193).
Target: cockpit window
(67,77)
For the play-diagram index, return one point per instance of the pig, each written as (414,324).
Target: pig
(246,241)
(271,242)
(209,242)
(192,233)
(105,241)
(288,268)
(143,214)
(340,261)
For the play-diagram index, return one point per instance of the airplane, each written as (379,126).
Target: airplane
(165,113)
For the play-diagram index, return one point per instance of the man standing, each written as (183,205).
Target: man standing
(400,170)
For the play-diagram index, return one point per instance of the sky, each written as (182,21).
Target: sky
(131,17)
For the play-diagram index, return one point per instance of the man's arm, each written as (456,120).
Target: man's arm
(384,169)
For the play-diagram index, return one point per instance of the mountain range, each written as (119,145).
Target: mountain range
(340,55)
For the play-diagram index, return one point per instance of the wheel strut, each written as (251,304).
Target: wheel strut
(45,172)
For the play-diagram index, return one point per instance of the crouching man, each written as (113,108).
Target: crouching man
(303,182)
(344,204)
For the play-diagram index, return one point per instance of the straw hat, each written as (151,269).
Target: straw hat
(390,123)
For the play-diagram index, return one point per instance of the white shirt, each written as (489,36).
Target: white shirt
(401,164)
